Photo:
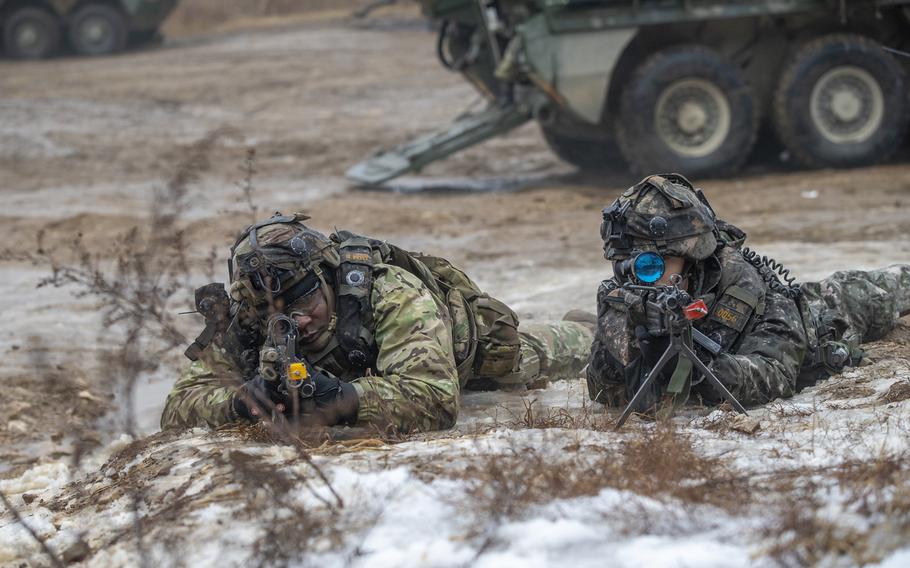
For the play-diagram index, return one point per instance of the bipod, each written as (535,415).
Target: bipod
(679,345)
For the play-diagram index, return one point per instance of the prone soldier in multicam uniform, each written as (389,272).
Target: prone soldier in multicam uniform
(388,337)
(763,338)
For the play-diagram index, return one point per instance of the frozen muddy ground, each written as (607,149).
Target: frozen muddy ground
(85,143)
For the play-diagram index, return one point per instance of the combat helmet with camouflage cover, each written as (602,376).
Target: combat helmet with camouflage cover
(662,213)
(279,260)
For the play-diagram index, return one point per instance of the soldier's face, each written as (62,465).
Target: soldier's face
(313,318)
(672,265)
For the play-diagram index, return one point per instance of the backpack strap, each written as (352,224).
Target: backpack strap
(353,307)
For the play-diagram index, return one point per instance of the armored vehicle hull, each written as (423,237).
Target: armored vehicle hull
(34,29)
(670,85)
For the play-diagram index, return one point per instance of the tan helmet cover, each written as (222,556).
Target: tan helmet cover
(272,258)
(666,214)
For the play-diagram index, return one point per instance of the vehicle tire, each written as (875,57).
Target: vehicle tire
(589,155)
(841,101)
(97,29)
(31,33)
(687,109)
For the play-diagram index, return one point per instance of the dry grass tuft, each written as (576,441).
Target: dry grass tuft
(806,531)
(845,391)
(658,462)
(896,393)
(546,417)
(662,461)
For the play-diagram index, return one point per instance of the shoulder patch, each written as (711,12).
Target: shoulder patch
(731,312)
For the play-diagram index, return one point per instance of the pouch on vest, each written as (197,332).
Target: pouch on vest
(499,345)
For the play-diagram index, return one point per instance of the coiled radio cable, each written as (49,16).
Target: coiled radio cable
(771,272)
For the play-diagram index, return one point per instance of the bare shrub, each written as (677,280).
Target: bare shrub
(290,529)
(246,185)
(545,417)
(135,281)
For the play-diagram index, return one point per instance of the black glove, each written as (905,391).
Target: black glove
(651,346)
(655,322)
(645,312)
(650,327)
(336,402)
(258,396)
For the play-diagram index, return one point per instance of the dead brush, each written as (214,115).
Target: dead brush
(662,461)
(805,532)
(133,281)
(136,281)
(290,529)
(536,416)
(657,462)
(897,392)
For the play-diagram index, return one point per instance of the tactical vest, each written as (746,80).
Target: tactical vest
(484,329)
(825,354)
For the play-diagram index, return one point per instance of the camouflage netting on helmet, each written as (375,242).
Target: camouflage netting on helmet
(278,258)
(662,213)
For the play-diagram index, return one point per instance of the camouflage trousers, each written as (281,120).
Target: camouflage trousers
(855,306)
(549,351)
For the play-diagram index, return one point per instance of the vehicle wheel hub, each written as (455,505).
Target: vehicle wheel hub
(847,105)
(95,31)
(27,35)
(692,117)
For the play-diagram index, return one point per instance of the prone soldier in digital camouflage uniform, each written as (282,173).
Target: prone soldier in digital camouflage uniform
(388,337)
(767,338)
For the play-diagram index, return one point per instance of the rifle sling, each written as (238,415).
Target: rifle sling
(680,376)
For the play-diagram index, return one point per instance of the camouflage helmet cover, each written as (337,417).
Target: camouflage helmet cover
(278,258)
(662,213)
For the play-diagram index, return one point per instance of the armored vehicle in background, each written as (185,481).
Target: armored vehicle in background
(33,29)
(673,85)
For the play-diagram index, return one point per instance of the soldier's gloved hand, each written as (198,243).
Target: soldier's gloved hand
(645,312)
(258,397)
(651,346)
(336,402)
(655,322)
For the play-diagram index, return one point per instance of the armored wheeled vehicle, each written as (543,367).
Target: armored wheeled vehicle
(674,85)
(34,29)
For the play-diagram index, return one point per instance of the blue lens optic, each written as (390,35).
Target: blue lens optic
(648,267)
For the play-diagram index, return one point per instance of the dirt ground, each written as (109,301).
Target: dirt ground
(85,142)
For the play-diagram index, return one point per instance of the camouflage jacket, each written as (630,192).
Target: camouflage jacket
(761,332)
(411,385)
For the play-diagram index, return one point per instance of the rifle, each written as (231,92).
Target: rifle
(677,311)
(279,362)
